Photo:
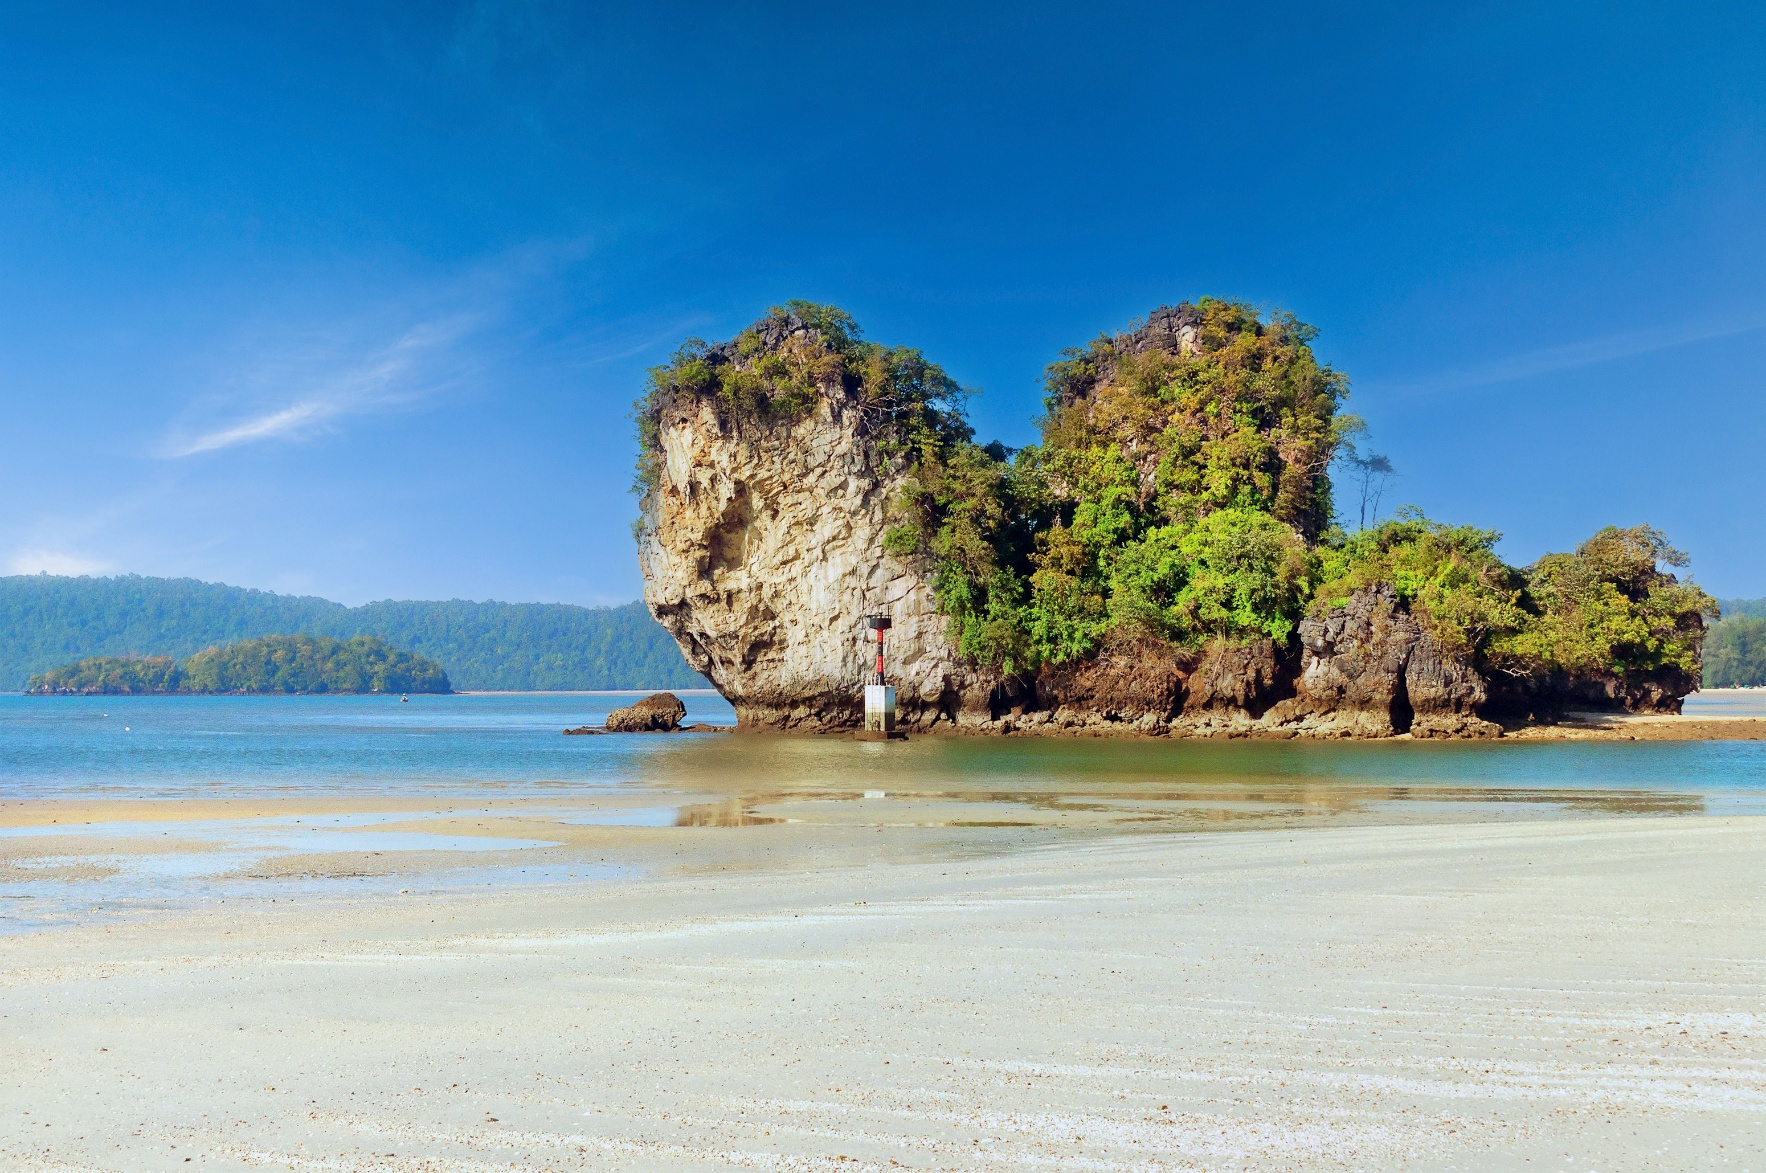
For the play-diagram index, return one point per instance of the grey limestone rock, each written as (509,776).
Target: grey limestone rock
(761,546)
(1370,670)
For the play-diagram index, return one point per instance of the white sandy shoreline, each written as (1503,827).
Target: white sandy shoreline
(1469,996)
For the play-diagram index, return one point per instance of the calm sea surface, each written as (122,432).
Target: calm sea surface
(214,747)
(510,745)
(540,803)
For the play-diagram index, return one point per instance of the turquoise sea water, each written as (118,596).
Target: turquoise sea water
(940,795)
(511,745)
(216,747)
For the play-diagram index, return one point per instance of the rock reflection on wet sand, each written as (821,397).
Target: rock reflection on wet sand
(975,782)
(734,813)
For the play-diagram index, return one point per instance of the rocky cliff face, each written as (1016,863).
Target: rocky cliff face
(761,545)
(1370,670)
(1365,669)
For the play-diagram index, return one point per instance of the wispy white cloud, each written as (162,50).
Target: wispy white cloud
(1570,356)
(309,394)
(289,421)
(40,561)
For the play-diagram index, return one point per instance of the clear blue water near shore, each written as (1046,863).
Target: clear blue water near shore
(511,745)
(216,747)
(461,750)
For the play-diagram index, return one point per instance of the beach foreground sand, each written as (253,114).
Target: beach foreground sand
(1574,994)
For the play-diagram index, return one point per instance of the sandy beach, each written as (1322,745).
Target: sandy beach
(1576,994)
(646,588)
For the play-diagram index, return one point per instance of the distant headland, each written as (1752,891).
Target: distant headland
(49,620)
(1167,559)
(273,665)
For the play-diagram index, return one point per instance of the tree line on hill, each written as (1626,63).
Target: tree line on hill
(1735,647)
(50,620)
(286,664)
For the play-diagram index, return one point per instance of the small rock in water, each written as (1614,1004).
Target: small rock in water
(660,712)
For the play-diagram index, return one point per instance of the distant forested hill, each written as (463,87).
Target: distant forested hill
(1743,608)
(286,664)
(1735,647)
(48,620)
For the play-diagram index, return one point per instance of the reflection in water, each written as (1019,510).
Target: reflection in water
(720,814)
(1187,783)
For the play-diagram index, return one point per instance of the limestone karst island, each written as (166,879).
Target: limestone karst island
(1168,559)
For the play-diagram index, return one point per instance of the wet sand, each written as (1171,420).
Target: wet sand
(1578,993)
(1648,727)
(63,861)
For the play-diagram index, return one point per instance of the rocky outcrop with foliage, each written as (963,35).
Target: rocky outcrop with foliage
(771,469)
(1166,558)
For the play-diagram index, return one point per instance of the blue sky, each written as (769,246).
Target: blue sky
(353,299)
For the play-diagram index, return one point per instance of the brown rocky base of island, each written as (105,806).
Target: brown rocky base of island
(1366,669)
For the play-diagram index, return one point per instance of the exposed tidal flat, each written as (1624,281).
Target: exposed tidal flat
(354,933)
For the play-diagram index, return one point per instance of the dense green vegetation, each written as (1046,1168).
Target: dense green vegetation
(311,664)
(1449,576)
(1611,606)
(111,676)
(1183,494)
(1735,649)
(47,620)
(272,664)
